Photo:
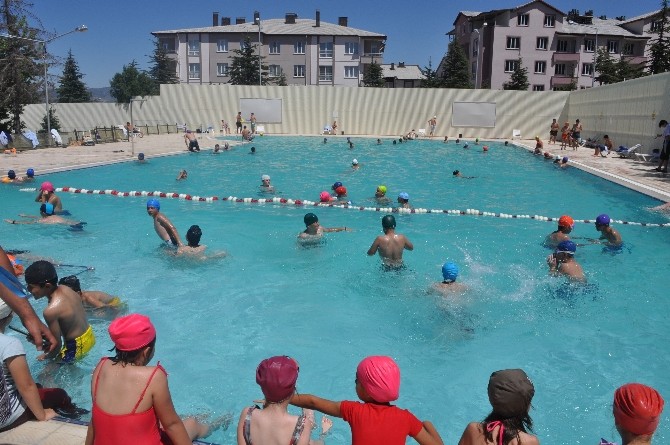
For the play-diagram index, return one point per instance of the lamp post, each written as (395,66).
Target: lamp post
(82,28)
(480,37)
(257,19)
(595,50)
(131,136)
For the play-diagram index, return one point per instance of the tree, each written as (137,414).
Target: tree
(373,77)
(518,80)
(456,72)
(71,88)
(53,120)
(659,50)
(163,69)
(129,83)
(244,67)
(431,80)
(281,80)
(611,70)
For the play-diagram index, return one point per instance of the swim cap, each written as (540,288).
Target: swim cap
(566,246)
(380,378)
(450,271)
(565,159)
(30,172)
(637,408)
(557,157)
(566,221)
(510,392)
(341,190)
(193,235)
(188,131)
(485,148)
(132,332)
(154,203)
(336,185)
(140,156)
(456,172)
(11,174)
(537,137)
(382,189)
(324,196)
(277,376)
(265,177)
(354,162)
(47,187)
(388,222)
(72,282)
(47,208)
(404,195)
(603,220)
(310,219)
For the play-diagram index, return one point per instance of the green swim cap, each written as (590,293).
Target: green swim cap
(382,188)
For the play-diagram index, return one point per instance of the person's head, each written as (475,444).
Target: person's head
(72,282)
(403,197)
(537,138)
(354,163)
(662,123)
(547,155)
(564,160)
(324,196)
(325,140)
(30,173)
(554,121)
(378,379)
(506,143)
(456,173)
(449,271)
(134,338)
(566,224)
(188,131)
(265,180)
(217,147)
(394,142)
(565,250)
(381,191)
(41,278)
(277,377)
(47,187)
(11,174)
(341,191)
(336,185)
(253,149)
(510,394)
(637,410)
(577,120)
(153,206)
(388,222)
(193,236)
(606,136)
(311,219)
(252,114)
(47,209)
(140,157)
(602,222)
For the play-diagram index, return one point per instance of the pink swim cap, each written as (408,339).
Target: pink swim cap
(324,197)
(47,187)
(380,377)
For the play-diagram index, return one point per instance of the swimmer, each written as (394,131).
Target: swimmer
(226,146)
(565,226)
(47,195)
(355,165)
(663,207)
(466,145)
(341,192)
(325,197)
(564,162)
(612,237)
(47,216)
(140,158)
(394,142)
(538,145)
(265,184)
(506,143)
(162,225)
(217,148)
(336,185)
(252,150)
(379,141)
(191,141)
(562,262)
(449,284)
(193,239)
(182,175)
(30,175)
(11,177)
(477,141)
(485,148)
(458,140)
(446,139)
(458,174)
(315,230)
(380,195)
(390,245)
(403,200)
(91,298)
(547,155)
(351,145)
(325,140)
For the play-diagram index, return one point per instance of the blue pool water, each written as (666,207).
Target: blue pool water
(332,305)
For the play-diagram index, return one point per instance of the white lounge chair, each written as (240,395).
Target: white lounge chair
(422,132)
(516,134)
(327,129)
(651,157)
(260,129)
(629,152)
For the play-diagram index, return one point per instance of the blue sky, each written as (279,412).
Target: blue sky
(119,31)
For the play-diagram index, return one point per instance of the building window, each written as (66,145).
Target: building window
(475,48)
(542,43)
(243,44)
(538,87)
(589,45)
(221,69)
(274,70)
(587,69)
(222,46)
(167,45)
(562,46)
(522,20)
(194,71)
(351,72)
(549,22)
(298,70)
(612,47)
(326,51)
(274,48)
(559,69)
(513,42)
(325,73)
(628,48)
(540,67)
(510,65)
(656,26)
(193,46)
(351,48)
(299,48)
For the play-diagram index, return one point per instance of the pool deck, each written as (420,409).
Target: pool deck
(637,175)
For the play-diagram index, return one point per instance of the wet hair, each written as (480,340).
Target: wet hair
(125,357)
(193,236)
(662,122)
(41,272)
(253,149)
(72,282)
(512,426)
(388,222)
(606,137)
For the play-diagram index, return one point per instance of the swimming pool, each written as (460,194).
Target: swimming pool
(330,306)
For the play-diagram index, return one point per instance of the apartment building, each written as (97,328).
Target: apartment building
(402,75)
(306,51)
(558,49)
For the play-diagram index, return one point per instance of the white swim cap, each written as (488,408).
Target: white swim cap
(354,162)
(265,177)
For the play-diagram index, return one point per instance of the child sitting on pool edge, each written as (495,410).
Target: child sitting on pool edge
(375,420)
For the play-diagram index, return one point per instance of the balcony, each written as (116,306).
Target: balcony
(636,60)
(557,81)
(565,57)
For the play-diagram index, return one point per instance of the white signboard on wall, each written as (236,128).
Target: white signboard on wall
(473,114)
(267,111)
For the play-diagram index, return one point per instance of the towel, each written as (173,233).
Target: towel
(3,138)
(32,137)
(56,137)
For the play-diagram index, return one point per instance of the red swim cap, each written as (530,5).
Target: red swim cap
(637,408)
(131,332)
(566,221)
(341,190)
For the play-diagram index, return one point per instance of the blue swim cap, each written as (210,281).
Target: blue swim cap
(154,203)
(565,159)
(566,246)
(603,220)
(11,174)
(140,156)
(450,271)
(336,185)
(30,172)
(404,195)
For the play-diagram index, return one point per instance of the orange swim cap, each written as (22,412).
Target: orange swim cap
(637,408)
(566,221)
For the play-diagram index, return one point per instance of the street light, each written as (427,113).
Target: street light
(257,19)
(595,50)
(82,28)
(480,37)
(131,136)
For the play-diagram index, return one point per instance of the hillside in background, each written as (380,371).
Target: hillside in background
(101,95)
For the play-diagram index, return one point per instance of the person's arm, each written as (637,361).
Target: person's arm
(240,427)
(14,221)
(170,228)
(373,248)
(18,368)
(428,435)
(408,244)
(39,196)
(313,402)
(470,434)
(336,229)
(162,403)
(51,317)
(92,301)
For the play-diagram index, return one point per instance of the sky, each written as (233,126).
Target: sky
(120,31)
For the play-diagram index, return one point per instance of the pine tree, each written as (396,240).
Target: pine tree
(163,68)
(71,88)
(53,121)
(431,79)
(129,83)
(518,79)
(244,67)
(456,70)
(659,50)
(606,67)
(374,76)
